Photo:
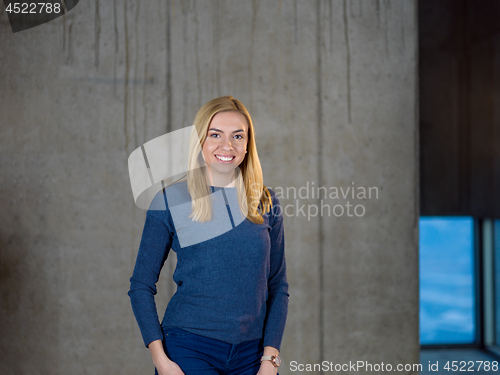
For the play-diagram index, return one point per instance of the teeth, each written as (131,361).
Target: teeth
(224,158)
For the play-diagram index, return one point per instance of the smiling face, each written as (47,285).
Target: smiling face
(225,145)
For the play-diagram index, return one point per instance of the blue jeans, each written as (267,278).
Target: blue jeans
(199,355)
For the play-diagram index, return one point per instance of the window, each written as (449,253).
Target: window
(491,277)
(447,282)
(496,283)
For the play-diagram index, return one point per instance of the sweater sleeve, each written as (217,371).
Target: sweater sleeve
(153,251)
(277,302)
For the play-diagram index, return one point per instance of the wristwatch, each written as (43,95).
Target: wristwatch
(275,359)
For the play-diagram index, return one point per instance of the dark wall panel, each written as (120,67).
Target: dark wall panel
(459,111)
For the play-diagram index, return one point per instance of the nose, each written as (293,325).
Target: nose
(226,145)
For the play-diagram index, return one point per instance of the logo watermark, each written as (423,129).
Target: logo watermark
(331,201)
(24,15)
(356,366)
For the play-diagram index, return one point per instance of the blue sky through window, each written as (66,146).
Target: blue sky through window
(446,280)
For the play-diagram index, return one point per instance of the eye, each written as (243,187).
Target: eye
(214,135)
(238,136)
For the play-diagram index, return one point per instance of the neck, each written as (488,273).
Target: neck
(221,180)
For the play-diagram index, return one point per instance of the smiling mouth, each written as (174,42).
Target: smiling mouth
(225,158)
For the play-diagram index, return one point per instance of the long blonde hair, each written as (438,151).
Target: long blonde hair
(253,197)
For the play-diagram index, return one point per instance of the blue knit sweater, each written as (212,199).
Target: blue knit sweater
(230,273)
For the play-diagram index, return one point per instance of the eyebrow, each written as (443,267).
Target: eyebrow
(220,131)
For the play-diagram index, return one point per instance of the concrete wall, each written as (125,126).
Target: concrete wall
(332,88)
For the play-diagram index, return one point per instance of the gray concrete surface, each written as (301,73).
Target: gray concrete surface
(332,88)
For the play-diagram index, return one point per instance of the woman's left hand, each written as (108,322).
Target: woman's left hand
(267,368)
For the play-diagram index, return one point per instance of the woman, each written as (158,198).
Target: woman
(229,311)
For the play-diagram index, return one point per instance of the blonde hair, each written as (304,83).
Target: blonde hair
(253,197)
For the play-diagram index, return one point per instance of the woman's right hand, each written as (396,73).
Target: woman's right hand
(163,364)
(169,368)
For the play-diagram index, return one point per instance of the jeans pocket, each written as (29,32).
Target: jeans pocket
(175,332)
